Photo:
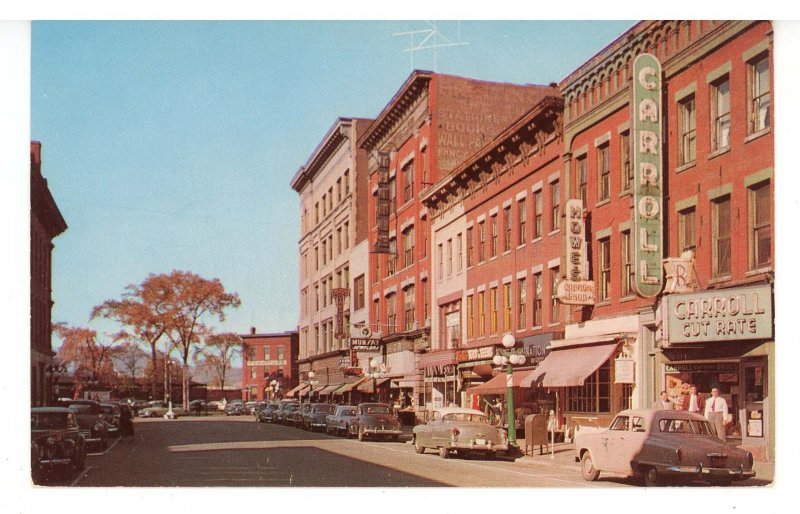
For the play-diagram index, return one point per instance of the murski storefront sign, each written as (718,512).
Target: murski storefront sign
(575,289)
(647,185)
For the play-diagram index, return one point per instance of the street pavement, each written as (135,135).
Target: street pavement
(235,451)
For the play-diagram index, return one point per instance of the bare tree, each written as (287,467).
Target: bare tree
(218,353)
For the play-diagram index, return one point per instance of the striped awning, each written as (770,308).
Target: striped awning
(570,366)
(499,384)
(349,387)
(371,384)
(329,389)
(296,390)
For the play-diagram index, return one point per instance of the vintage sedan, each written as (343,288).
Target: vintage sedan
(91,421)
(661,444)
(344,421)
(315,417)
(56,442)
(112,414)
(159,410)
(285,412)
(267,413)
(376,420)
(460,430)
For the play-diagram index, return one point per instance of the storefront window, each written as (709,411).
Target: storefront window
(595,393)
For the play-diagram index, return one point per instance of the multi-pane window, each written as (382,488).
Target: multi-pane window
(408,312)
(481,241)
(522,218)
(555,316)
(408,247)
(604,268)
(760,226)
(537,299)
(686,231)
(493,247)
(537,220)
(426,306)
(316,213)
(338,190)
(449,257)
(603,173)
(440,261)
(316,297)
(393,194)
(481,313)
(721,236)
(359,298)
(470,316)
(522,298)
(470,250)
(377,314)
(582,176)
(687,131)
(627,263)
(408,181)
(316,258)
(507,231)
(507,300)
(459,253)
(595,393)
(493,306)
(391,258)
(555,199)
(720,114)
(759,94)
(391,314)
(625,160)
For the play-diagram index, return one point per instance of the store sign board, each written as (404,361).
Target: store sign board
(648,183)
(681,275)
(725,315)
(575,289)
(382,205)
(274,362)
(702,367)
(473,354)
(575,293)
(361,344)
(624,371)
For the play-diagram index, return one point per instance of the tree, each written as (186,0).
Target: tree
(218,354)
(139,318)
(179,303)
(88,358)
(129,355)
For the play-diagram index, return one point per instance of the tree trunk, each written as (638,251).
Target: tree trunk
(153,378)
(185,383)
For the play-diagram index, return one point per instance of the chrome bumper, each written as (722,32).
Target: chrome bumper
(48,463)
(382,431)
(700,472)
(458,445)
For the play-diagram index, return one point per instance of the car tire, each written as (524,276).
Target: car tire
(651,477)
(418,447)
(589,472)
(444,452)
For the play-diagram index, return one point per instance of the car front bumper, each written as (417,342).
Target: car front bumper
(52,463)
(473,446)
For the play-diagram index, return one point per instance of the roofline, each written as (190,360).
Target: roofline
(329,142)
(270,334)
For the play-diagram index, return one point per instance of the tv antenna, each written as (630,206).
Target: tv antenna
(432,39)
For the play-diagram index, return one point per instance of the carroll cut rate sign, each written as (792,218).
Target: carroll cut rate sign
(647,188)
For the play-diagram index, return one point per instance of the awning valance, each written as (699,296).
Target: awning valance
(296,390)
(498,385)
(349,387)
(330,388)
(371,384)
(570,366)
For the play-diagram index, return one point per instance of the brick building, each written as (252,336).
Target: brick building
(46,224)
(267,358)
(429,127)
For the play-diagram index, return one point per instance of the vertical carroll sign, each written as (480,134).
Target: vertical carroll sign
(647,159)
(382,204)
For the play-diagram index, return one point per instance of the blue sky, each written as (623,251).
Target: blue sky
(171,145)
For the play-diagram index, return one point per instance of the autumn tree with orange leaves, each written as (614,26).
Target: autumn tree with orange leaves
(87,357)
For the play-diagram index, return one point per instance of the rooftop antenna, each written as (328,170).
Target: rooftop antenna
(431,39)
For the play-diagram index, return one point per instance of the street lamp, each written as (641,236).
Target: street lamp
(374,372)
(275,385)
(311,383)
(169,414)
(508,358)
(53,371)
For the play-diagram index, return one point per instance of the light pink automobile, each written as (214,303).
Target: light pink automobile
(659,444)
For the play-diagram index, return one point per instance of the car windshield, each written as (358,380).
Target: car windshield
(685,426)
(348,412)
(378,409)
(48,420)
(325,409)
(466,416)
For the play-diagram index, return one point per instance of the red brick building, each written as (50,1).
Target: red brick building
(46,224)
(269,358)
(431,125)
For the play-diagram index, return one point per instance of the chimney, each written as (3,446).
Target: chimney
(252,331)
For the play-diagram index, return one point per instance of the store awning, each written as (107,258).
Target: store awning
(349,387)
(570,366)
(498,385)
(329,389)
(371,384)
(400,384)
(296,390)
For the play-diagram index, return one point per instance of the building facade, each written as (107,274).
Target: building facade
(46,224)
(332,185)
(269,364)
(429,127)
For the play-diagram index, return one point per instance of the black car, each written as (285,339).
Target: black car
(235,409)
(315,417)
(266,414)
(56,443)
(111,413)
(91,421)
(284,414)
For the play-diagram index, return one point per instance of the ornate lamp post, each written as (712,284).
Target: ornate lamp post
(311,383)
(374,372)
(53,371)
(275,387)
(508,358)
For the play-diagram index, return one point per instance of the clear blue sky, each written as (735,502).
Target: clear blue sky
(171,145)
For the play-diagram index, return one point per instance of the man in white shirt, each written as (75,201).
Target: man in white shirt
(696,401)
(717,412)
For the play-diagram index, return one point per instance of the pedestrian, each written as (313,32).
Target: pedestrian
(716,412)
(664,402)
(125,421)
(697,402)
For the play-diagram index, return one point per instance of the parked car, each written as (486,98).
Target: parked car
(56,442)
(235,409)
(267,413)
(215,405)
(297,416)
(314,417)
(377,421)
(250,407)
(91,421)
(111,414)
(284,414)
(137,405)
(658,444)
(343,421)
(158,409)
(460,430)
(198,407)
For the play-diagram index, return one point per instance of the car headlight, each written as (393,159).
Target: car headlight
(98,427)
(51,441)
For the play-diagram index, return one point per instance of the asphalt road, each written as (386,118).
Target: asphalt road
(222,451)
